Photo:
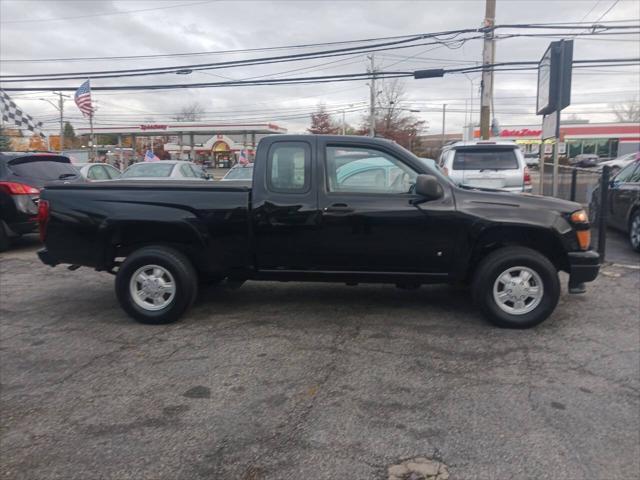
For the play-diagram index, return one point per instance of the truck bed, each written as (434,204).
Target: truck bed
(93,222)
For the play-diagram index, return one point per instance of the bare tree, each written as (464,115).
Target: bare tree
(394,121)
(628,111)
(190,113)
(321,122)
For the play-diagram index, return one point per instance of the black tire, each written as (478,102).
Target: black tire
(5,243)
(499,261)
(634,231)
(177,265)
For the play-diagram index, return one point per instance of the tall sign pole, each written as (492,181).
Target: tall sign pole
(488,57)
(554,94)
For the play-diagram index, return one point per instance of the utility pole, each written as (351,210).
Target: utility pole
(372,99)
(444,120)
(344,124)
(488,57)
(60,108)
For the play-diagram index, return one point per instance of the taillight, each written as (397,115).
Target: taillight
(14,188)
(43,218)
(527,176)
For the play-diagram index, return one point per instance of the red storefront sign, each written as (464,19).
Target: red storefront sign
(153,127)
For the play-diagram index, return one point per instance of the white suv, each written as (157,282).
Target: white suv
(486,164)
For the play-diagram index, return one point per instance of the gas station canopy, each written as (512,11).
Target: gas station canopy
(152,129)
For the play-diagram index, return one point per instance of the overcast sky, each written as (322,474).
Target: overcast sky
(47,29)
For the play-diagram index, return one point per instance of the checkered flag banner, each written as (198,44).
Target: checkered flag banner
(13,114)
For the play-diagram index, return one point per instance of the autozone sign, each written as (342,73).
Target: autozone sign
(153,127)
(522,132)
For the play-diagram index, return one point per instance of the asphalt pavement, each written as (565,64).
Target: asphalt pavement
(313,381)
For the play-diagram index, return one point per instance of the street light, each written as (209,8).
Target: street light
(60,108)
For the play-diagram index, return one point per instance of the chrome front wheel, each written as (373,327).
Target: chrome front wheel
(518,290)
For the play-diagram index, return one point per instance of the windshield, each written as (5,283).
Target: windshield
(42,168)
(150,169)
(485,159)
(239,173)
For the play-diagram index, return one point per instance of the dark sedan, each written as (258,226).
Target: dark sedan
(623,209)
(22,176)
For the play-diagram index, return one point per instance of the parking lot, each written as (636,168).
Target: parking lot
(293,381)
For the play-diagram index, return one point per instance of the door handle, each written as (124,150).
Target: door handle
(338,208)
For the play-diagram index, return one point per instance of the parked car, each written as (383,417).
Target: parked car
(532,160)
(97,171)
(22,176)
(239,173)
(623,203)
(300,221)
(498,165)
(619,163)
(585,160)
(164,170)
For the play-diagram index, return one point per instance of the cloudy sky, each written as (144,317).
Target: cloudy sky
(45,30)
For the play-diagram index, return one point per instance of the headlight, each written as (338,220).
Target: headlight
(579,217)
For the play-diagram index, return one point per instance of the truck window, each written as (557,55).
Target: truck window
(289,167)
(364,170)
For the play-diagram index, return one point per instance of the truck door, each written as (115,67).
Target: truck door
(369,219)
(284,204)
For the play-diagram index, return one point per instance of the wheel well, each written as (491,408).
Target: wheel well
(122,241)
(536,239)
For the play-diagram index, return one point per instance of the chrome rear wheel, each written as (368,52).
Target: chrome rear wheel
(152,287)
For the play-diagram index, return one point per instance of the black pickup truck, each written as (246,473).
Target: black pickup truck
(321,208)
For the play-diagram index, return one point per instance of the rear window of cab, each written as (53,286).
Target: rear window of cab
(485,159)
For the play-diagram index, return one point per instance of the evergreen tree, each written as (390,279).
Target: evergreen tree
(69,135)
(5,142)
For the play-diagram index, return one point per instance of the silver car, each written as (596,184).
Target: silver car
(164,170)
(97,171)
(619,163)
(239,173)
(485,164)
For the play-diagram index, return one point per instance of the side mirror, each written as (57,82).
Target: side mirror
(428,187)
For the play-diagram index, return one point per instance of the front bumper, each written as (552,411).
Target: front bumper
(584,267)
(47,258)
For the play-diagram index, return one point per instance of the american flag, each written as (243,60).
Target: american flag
(243,158)
(83,99)
(150,157)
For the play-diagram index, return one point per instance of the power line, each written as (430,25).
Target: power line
(123,12)
(396,42)
(524,65)
(608,10)
(245,62)
(206,53)
(590,10)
